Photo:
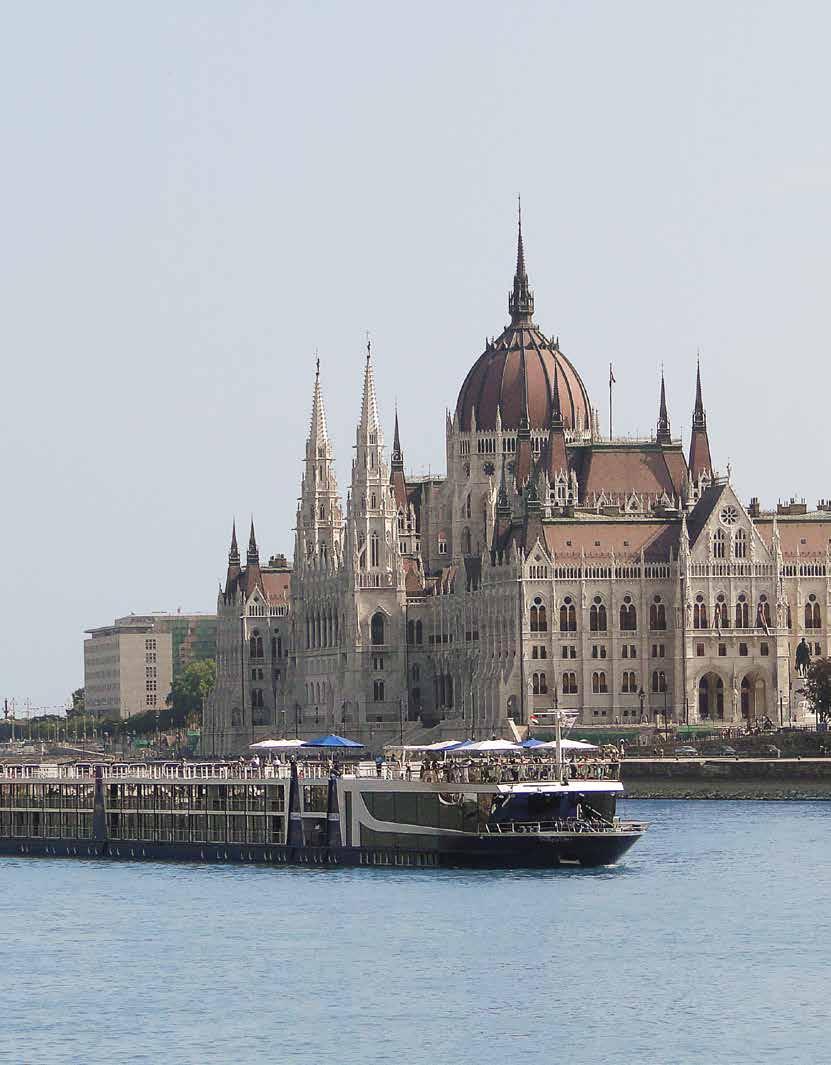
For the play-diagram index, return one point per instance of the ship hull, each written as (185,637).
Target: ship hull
(529,851)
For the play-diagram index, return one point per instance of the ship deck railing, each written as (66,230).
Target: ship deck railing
(495,772)
(562,825)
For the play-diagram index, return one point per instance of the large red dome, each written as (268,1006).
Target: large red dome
(522,358)
(518,368)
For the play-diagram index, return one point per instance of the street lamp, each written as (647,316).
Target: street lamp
(666,712)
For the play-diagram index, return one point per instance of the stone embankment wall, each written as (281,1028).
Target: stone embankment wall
(727,778)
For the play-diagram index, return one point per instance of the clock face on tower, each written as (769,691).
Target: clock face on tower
(729,515)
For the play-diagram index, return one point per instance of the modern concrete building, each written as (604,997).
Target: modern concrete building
(552,566)
(129,666)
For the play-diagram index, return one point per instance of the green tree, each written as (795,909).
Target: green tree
(187,696)
(818,687)
(78,704)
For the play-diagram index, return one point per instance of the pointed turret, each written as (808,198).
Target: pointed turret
(233,563)
(397,479)
(700,461)
(663,435)
(318,433)
(556,459)
(524,454)
(502,525)
(521,298)
(253,556)
(253,577)
(370,422)
(233,554)
(397,456)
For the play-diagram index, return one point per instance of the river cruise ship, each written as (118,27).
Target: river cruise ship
(520,812)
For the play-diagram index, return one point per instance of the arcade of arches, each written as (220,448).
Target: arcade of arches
(752,698)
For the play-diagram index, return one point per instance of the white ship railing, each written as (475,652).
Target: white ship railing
(478,772)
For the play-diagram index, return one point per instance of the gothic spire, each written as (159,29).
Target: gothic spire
(369,404)
(397,457)
(521,298)
(556,458)
(524,456)
(700,460)
(699,417)
(318,433)
(556,408)
(233,563)
(502,503)
(663,435)
(253,556)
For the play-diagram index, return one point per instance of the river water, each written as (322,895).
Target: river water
(708,944)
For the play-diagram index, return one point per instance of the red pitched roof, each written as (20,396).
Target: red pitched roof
(806,538)
(620,469)
(624,539)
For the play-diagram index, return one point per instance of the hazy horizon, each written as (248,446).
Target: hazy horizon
(199,197)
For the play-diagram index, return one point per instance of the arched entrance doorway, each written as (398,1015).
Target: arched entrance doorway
(711,698)
(753,697)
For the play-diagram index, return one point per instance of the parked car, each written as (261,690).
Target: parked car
(686,752)
(771,750)
(728,752)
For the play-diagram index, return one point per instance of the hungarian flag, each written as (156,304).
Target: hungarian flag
(612,380)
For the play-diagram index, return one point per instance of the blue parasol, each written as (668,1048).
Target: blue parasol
(332,741)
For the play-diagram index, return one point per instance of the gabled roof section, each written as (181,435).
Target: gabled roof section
(603,538)
(646,468)
(703,509)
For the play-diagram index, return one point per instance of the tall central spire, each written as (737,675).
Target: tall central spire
(521,298)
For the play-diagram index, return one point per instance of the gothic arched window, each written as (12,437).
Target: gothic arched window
(466,540)
(659,681)
(569,683)
(657,614)
(568,616)
(373,549)
(813,618)
(718,544)
(628,615)
(699,613)
(377,628)
(539,618)
(740,544)
(419,632)
(742,613)
(597,616)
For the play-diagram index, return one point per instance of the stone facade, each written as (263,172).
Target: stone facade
(550,567)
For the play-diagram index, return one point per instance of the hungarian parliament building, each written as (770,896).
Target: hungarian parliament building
(551,567)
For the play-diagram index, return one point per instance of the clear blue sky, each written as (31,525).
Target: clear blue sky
(197,195)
